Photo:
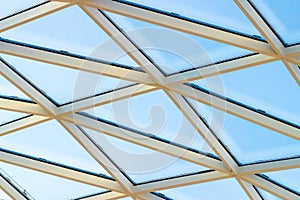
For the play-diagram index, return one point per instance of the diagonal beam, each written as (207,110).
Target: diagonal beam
(162,18)
(151,196)
(271,187)
(235,108)
(19,105)
(276,165)
(218,68)
(22,123)
(72,61)
(102,195)
(98,154)
(8,72)
(59,170)
(105,98)
(265,30)
(293,69)
(153,142)
(203,129)
(249,189)
(292,51)
(31,14)
(180,181)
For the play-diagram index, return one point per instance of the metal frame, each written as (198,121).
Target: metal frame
(149,79)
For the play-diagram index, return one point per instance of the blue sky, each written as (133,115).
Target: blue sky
(269,87)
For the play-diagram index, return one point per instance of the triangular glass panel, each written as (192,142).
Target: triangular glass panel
(224,15)
(9,116)
(268,87)
(174,51)
(281,16)
(51,141)
(11,7)
(61,84)
(288,178)
(221,189)
(248,142)
(8,90)
(266,195)
(70,31)
(128,157)
(43,186)
(153,113)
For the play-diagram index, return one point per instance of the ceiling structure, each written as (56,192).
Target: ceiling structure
(180,86)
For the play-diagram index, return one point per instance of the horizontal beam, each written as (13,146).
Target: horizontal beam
(180,181)
(218,68)
(270,187)
(22,123)
(58,170)
(234,108)
(275,165)
(164,19)
(72,61)
(152,143)
(31,14)
(21,106)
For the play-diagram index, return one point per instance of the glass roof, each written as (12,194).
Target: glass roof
(135,99)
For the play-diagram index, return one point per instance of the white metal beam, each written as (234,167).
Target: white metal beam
(292,51)
(96,151)
(60,171)
(238,110)
(106,98)
(22,124)
(180,181)
(219,68)
(139,139)
(78,63)
(12,76)
(278,165)
(163,19)
(270,187)
(103,195)
(10,189)
(203,129)
(148,196)
(31,14)
(249,190)
(14,105)
(294,70)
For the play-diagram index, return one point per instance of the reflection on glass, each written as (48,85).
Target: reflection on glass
(64,84)
(281,16)
(50,141)
(268,87)
(249,142)
(219,13)
(222,189)
(175,51)
(44,186)
(10,7)
(129,157)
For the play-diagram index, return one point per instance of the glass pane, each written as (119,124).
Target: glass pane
(9,90)
(268,87)
(10,7)
(129,157)
(153,113)
(8,116)
(175,51)
(289,178)
(70,30)
(267,195)
(52,142)
(249,142)
(281,16)
(225,14)
(222,189)
(44,186)
(64,84)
